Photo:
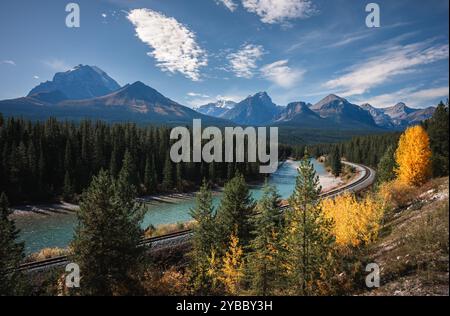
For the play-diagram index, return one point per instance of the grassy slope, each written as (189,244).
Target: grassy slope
(413,249)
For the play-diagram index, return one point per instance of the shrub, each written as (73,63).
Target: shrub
(397,194)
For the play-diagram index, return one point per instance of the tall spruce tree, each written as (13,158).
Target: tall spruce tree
(107,239)
(150,180)
(336,165)
(11,253)
(203,240)
(308,235)
(236,208)
(386,166)
(179,177)
(168,174)
(438,130)
(264,259)
(68,189)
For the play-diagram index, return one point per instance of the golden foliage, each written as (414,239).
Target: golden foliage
(413,157)
(47,253)
(355,222)
(397,194)
(232,268)
(165,229)
(170,282)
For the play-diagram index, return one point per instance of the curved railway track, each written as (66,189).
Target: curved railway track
(364,181)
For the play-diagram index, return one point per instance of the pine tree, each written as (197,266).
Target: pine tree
(212,172)
(68,189)
(386,166)
(438,130)
(129,169)
(203,240)
(179,177)
(113,165)
(413,156)
(11,252)
(150,181)
(264,259)
(107,239)
(168,174)
(235,210)
(336,165)
(308,235)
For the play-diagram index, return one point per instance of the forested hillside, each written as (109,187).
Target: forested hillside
(44,160)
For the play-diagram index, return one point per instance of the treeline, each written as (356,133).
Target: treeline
(43,160)
(369,150)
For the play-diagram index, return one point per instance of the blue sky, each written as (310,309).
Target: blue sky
(199,50)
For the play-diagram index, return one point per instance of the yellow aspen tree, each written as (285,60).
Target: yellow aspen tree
(355,222)
(413,156)
(233,266)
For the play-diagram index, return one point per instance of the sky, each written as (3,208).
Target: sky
(198,51)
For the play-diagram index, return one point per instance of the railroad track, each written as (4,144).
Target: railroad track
(63,260)
(363,182)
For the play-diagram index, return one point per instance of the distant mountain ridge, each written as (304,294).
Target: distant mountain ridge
(257,109)
(216,109)
(88,92)
(81,82)
(332,112)
(135,102)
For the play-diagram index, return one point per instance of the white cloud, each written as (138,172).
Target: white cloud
(281,74)
(174,46)
(413,97)
(194,94)
(378,70)
(36,77)
(230,4)
(57,65)
(280,11)
(8,62)
(244,62)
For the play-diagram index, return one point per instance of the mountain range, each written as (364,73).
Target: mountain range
(89,92)
(331,112)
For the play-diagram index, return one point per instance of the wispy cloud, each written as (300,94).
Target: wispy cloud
(8,62)
(413,97)
(377,70)
(244,62)
(57,64)
(280,11)
(35,77)
(194,94)
(229,4)
(175,47)
(281,74)
(349,40)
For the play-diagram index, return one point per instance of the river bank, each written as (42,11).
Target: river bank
(53,225)
(328,182)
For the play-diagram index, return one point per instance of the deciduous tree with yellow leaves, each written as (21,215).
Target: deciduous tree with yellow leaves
(413,156)
(355,222)
(233,266)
